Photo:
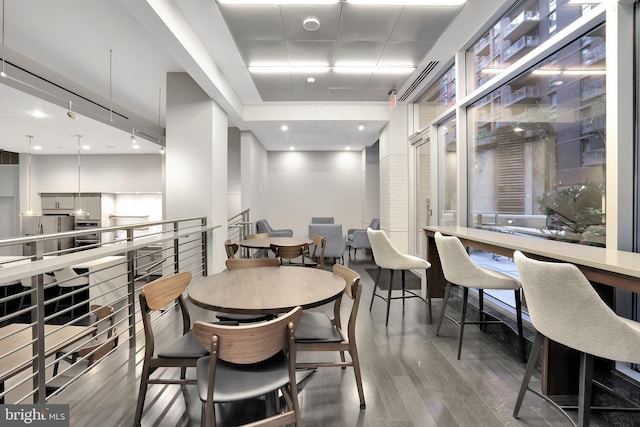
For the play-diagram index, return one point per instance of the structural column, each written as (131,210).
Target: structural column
(394,178)
(195,170)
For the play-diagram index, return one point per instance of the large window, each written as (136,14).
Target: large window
(524,27)
(440,96)
(537,157)
(449,167)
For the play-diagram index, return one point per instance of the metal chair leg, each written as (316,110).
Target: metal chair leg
(465,298)
(447,290)
(426,278)
(519,321)
(375,286)
(531,365)
(386,323)
(584,394)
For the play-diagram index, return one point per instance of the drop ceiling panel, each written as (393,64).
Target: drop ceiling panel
(272,81)
(345,94)
(396,53)
(328,16)
(276,95)
(420,23)
(310,52)
(367,23)
(359,52)
(375,94)
(263,51)
(251,22)
(322,83)
(387,81)
(346,80)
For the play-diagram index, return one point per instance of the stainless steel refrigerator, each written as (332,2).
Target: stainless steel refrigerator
(48,224)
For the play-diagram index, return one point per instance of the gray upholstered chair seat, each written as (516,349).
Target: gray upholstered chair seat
(186,346)
(239,382)
(332,233)
(357,238)
(316,327)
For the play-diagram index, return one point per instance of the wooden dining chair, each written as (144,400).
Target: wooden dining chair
(240,263)
(230,248)
(318,332)
(259,252)
(319,245)
(182,352)
(295,255)
(249,361)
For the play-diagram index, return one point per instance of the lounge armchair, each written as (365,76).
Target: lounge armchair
(262,226)
(322,220)
(334,237)
(357,237)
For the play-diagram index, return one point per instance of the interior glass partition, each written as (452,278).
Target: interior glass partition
(537,148)
(423,188)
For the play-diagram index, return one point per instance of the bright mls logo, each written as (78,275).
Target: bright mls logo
(34,415)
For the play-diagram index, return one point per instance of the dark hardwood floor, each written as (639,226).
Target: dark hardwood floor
(411,378)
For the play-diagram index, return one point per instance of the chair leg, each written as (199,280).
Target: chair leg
(584,395)
(142,394)
(375,286)
(403,290)
(519,321)
(465,298)
(447,290)
(481,325)
(531,365)
(356,371)
(386,323)
(426,278)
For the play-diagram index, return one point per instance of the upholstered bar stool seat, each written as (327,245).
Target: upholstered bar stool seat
(386,256)
(459,269)
(565,308)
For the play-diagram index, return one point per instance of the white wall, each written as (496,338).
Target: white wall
(255,179)
(234,183)
(307,184)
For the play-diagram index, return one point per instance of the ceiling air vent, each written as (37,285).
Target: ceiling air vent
(430,66)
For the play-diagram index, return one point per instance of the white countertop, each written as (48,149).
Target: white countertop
(622,262)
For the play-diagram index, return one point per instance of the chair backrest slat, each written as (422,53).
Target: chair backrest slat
(239,263)
(250,343)
(161,292)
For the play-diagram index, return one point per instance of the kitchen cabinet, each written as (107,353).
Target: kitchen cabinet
(58,203)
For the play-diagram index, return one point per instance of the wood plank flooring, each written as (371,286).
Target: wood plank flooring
(411,379)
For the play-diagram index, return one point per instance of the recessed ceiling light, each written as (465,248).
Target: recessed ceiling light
(37,147)
(38,114)
(284,128)
(311,79)
(348,148)
(361,127)
(303,2)
(291,148)
(86,147)
(409,2)
(135,146)
(311,24)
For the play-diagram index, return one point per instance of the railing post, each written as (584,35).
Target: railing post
(176,248)
(205,254)
(37,334)
(131,290)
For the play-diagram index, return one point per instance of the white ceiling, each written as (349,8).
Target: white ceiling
(113,57)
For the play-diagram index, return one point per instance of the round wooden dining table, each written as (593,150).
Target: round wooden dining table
(266,290)
(265,243)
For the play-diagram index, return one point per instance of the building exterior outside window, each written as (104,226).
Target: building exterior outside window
(537,164)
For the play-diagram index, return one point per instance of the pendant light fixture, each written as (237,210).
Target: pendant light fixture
(79,212)
(28,212)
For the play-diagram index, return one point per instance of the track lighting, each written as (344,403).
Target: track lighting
(71,114)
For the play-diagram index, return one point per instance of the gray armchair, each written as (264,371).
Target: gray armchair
(357,237)
(334,237)
(322,220)
(262,226)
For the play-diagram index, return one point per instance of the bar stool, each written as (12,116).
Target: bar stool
(565,308)
(459,269)
(386,256)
